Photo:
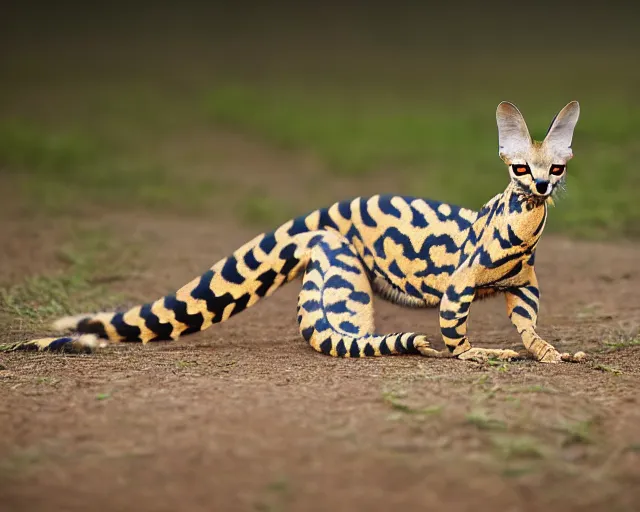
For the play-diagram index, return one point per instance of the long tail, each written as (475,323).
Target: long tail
(255,270)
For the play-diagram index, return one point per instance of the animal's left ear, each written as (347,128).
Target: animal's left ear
(560,134)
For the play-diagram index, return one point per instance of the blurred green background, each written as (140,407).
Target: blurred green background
(257,112)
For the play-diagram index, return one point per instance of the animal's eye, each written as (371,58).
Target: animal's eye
(557,170)
(520,169)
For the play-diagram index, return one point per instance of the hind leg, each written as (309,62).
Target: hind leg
(335,306)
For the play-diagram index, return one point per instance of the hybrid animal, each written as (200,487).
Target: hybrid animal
(411,251)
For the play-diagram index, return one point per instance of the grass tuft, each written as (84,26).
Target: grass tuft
(91,260)
(392,400)
(482,421)
(608,369)
(519,447)
(612,346)
(578,432)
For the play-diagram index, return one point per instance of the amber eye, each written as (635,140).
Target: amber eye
(557,170)
(520,169)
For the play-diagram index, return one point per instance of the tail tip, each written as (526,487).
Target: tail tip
(84,343)
(67,323)
(89,343)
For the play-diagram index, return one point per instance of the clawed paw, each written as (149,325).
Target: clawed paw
(422,345)
(578,357)
(553,356)
(484,354)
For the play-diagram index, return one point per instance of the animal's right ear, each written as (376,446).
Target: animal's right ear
(513,135)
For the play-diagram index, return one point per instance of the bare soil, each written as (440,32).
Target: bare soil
(246,416)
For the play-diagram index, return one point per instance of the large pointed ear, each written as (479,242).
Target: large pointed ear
(560,134)
(513,134)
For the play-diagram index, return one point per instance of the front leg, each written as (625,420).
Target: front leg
(522,308)
(454,311)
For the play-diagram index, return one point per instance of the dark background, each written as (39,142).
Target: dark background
(383,97)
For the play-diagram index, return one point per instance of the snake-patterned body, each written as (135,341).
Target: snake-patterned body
(411,251)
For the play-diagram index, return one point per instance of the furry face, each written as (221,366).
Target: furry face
(536,168)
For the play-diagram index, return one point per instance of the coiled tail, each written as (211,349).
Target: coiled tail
(335,309)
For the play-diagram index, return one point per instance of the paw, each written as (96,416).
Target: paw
(507,355)
(422,345)
(578,357)
(552,356)
(484,354)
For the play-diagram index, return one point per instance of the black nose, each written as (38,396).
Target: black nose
(542,186)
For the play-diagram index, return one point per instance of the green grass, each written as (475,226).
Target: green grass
(621,342)
(42,297)
(578,432)
(499,365)
(518,447)
(381,105)
(483,421)
(608,369)
(23,146)
(256,209)
(90,261)
(353,138)
(59,169)
(393,401)
(445,148)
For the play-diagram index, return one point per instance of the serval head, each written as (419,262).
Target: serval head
(536,168)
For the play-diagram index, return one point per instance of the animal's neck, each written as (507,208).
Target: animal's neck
(524,214)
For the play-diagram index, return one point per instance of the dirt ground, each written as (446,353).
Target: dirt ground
(246,416)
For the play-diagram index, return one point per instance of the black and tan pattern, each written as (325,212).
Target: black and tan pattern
(412,251)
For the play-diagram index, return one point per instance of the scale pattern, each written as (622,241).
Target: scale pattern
(411,251)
